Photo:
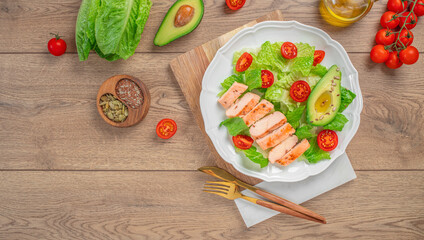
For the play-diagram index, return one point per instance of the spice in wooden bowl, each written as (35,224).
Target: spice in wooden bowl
(129,92)
(113,109)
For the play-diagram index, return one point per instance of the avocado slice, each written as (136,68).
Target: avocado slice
(181,19)
(324,100)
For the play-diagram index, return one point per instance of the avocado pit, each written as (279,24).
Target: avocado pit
(184,15)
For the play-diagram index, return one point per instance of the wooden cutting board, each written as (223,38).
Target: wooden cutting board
(189,68)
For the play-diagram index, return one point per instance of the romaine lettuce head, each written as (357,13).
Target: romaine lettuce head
(112,28)
(85,37)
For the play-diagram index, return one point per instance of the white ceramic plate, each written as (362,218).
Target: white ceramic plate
(221,67)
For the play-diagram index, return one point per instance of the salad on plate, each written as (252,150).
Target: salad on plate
(283,105)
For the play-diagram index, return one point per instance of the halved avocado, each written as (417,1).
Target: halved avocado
(324,100)
(181,19)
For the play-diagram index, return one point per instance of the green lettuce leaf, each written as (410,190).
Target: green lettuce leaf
(304,60)
(236,126)
(338,122)
(294,116)
(119,25)
(305,132)
(319,70)
(347,97)
(255,156)
(226,84)
(253,79)
(85,36)
(269,57)
(315,154)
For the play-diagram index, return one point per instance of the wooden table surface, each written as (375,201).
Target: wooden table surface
(66,174)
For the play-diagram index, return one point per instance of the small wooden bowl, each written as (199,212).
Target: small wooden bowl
(135,115)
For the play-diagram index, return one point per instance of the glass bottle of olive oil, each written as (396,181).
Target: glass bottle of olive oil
(342,13)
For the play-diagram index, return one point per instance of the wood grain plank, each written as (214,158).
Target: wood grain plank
(28,24)
(50,121)
(49,118)
(171,205)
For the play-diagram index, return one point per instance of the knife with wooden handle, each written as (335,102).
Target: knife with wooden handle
(226,176)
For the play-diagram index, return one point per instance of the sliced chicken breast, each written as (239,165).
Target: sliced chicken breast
(267,124)
(258,112)
(282,149)
(242,106)
(276,137)
(293,154)
(234,92)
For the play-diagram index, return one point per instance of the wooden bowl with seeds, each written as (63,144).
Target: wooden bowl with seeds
(123,101)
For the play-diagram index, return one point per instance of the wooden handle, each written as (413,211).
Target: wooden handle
(291,205)
(288,211)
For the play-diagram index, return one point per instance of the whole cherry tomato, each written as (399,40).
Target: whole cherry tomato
(397,5)
(379,54)
(406,37)
(411,20)
(56,45)
(393,62)
(409,55)
(418,9)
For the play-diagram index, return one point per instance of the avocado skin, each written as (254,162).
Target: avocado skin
(322,86)
(170,16)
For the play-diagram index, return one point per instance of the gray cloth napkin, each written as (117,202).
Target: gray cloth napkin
(338,173)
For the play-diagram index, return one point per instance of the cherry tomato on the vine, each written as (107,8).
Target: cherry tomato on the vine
(406,37)
(389,20)
(409,55)
(397,5)
(393,62)
(385,37)
(267,78)
(235,4)
(411,21)
(418,9)
(379,54)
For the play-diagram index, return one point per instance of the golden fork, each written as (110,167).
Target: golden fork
(231,191)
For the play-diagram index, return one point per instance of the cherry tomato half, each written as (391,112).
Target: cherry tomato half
(318,56)
(300,91)
(409,55)
(243,63)
(267,78)
(418,9)
(288,50)
(411,21)
(406,37)
(166,128)
(235,4)
(389,20)
(242,141)
(385,37)
(327,140)
(393,61)
(379,54)
(56,45)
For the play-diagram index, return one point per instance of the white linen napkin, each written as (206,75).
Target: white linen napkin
(338,173)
